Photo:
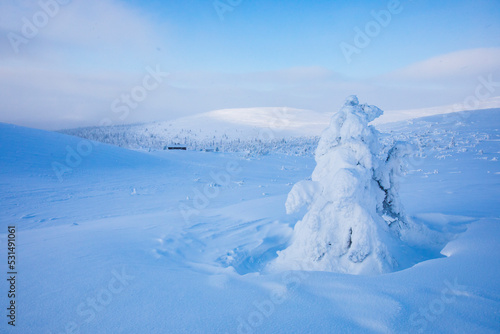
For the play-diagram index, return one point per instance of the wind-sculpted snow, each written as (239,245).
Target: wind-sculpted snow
(303,193)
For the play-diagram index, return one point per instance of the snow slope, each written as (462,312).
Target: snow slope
(478,103)
(178,242)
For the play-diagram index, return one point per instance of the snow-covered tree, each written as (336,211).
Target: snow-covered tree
(354,219)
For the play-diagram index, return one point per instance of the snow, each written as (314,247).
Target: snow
(106,248)
(404,115)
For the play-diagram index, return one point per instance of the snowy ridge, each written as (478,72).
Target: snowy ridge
(391,116)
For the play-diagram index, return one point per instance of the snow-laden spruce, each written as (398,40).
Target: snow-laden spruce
(355,220)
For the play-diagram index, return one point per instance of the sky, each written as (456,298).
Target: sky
(67,64)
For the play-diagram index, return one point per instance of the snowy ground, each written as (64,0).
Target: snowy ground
(177,242)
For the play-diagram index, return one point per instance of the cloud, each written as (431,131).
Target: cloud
(451,67)
(69,69)
(92,52)
(106,29)
(264,80)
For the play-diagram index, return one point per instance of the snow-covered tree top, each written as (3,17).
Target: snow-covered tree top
(349,123)
(365,111)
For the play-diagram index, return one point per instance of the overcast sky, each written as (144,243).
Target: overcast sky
(83,62)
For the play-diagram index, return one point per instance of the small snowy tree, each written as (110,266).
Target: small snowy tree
(355,218)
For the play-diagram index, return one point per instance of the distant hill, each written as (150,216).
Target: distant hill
(255,130)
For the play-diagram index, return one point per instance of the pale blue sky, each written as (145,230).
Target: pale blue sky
(269,35)
(263,53)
